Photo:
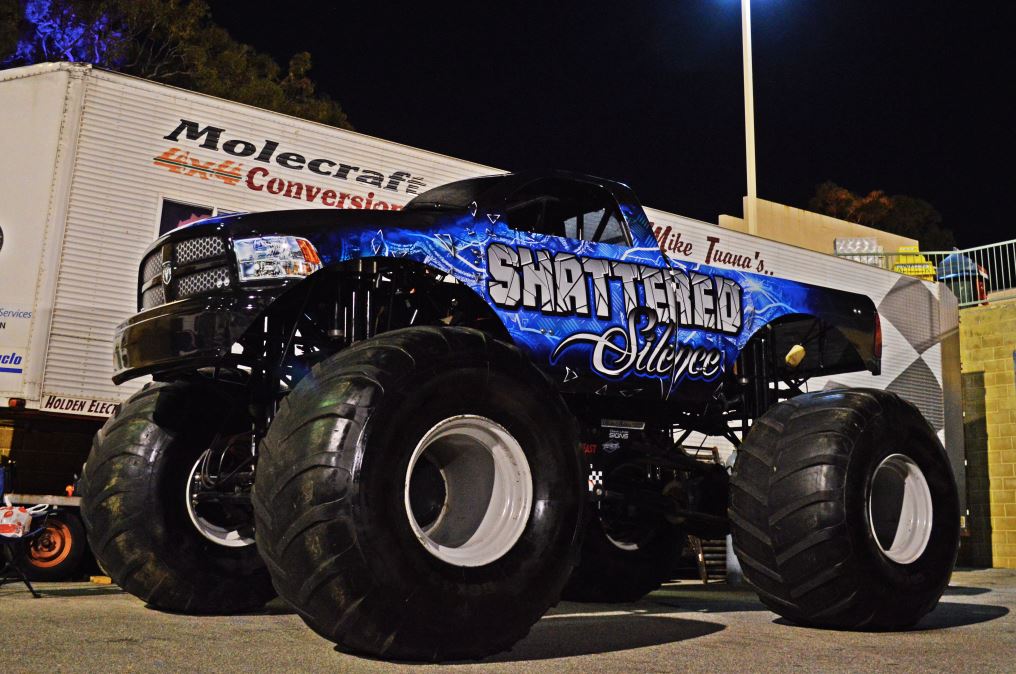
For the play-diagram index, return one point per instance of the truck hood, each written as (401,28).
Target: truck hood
(312,224)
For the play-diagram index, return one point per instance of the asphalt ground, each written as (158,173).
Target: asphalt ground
(686,626)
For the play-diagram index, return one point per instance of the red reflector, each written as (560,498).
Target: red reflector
(878,336)
(16,403)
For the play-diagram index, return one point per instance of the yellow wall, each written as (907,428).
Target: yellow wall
(810,230)
(6,437)
(987,343)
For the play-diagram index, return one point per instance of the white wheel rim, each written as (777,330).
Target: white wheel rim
(488,490)
(900,512)
(230,538)
(622,545)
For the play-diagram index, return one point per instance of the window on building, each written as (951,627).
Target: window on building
(178,213)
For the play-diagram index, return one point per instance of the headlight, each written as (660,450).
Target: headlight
(268,257)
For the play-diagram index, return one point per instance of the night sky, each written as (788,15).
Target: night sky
(906,97)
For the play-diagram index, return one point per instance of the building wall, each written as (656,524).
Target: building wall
(6,436)
(988,347)
(813,231)
(975,549)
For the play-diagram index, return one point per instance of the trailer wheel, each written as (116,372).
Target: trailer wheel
(56,552)
(844,511)
(418,495)
(136,490)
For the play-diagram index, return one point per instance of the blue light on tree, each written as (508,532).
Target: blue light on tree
(60,32)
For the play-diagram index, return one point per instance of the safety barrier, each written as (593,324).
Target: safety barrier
(975,275)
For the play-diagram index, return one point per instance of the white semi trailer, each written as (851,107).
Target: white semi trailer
(98,164)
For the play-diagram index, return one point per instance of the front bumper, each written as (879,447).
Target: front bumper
(195,332)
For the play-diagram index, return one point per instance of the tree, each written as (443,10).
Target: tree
(899,214)
(10,22)
(170,41)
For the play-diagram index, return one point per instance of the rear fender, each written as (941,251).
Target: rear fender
(832,344)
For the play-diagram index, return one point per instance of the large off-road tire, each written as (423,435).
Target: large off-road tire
(134,487)
(56,552)
(373,480)
(844,511)
(612,571)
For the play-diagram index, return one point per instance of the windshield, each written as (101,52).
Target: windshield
(457,195)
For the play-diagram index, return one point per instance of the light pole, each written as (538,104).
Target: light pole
(751,212)
(734,573)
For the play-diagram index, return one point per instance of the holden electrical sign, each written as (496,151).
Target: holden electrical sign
(330,181)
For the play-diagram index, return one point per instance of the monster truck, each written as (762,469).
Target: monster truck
(422,427)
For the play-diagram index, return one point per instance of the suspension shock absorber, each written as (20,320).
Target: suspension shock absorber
(362,301)
(354,318)
(337,324)
(368,292)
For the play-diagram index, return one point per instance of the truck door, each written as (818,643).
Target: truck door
(590,307)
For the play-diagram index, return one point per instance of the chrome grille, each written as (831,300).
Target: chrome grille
(152,266)
(153,297)
(201,248)
(202,282)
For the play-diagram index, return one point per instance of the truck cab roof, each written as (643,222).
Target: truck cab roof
(557,203)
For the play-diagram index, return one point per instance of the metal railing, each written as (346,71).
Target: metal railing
(975,275)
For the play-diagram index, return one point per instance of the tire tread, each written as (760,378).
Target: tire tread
(325,523)
(788,510)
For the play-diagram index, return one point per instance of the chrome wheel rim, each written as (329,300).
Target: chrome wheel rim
(228,537)
(468,491)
